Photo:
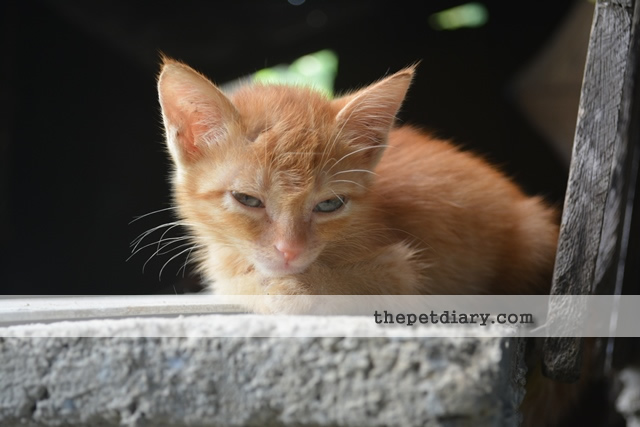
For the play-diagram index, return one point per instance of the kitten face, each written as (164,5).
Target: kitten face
(278,199)
(277,175)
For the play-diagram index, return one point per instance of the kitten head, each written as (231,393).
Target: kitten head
(275,174)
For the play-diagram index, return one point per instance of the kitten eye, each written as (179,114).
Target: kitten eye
(247,200)
(330,205)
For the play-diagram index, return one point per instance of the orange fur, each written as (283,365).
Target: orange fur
(421,216)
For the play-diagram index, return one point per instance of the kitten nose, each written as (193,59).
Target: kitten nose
(289,250)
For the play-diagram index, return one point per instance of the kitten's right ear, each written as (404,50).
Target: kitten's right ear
(196,113)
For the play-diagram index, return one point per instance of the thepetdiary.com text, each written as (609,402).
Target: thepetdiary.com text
(447,317)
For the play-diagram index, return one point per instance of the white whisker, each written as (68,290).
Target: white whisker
(370,147)
(171,259)
(354,171)
(186,261)
(166,231)
(142,236)
(349,181)
(169,241)
(151,213)
(158,252)
(339,198)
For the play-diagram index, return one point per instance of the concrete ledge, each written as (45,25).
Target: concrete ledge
(628,401)
(195,379)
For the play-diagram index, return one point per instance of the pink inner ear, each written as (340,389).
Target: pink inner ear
(194,109)
(187,139)
(192,121)
(184,129)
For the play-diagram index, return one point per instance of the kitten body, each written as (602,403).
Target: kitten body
(286,192)
(289,193)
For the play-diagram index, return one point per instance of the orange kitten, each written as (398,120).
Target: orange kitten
(288,192)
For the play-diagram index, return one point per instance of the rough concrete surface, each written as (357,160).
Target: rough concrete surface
(628,402)
(194,379)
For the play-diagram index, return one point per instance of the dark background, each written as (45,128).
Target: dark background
(81,148)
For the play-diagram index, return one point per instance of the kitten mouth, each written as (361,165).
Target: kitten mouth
(280,269)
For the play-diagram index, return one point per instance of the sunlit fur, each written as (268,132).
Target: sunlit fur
(421,216)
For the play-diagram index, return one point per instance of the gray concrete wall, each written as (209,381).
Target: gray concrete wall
(194,379)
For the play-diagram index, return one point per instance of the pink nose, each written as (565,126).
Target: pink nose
(289,250)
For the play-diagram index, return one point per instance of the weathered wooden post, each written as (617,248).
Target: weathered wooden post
(596,221)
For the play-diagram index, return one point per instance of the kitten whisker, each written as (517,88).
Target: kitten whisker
(162,250)
(354,171)
(134,244)
(166,231)
(168,241)
(158,252)
(339,198)
(349,181)
(171,259)
(151,230)
(186,261)
(151,213)
(370,147)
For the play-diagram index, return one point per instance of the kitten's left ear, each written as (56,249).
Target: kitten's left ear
(196,113)
(366,117)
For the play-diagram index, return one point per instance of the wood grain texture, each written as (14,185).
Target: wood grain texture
(590,178)
(624,270)
(623,3)
(622,188)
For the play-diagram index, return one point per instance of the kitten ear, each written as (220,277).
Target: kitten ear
(196,113)
(366,117)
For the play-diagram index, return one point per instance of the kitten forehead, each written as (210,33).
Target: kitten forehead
(290,128)
(282,108)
